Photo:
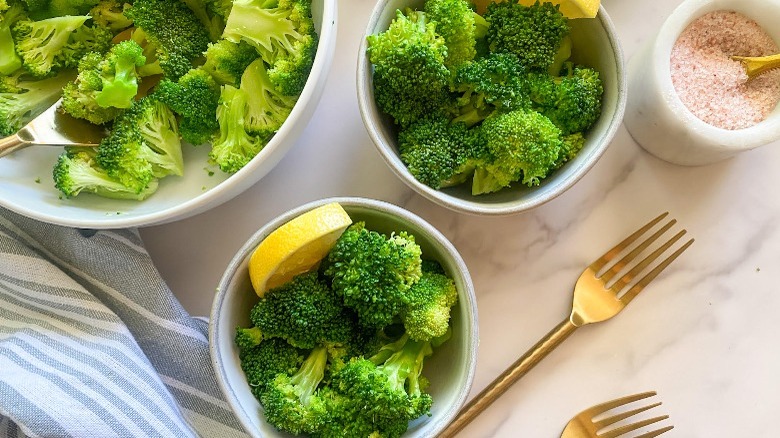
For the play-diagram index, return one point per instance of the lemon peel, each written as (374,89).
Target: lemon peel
(572,8)
(296,247)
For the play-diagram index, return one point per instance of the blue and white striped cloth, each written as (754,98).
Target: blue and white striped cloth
(93,343)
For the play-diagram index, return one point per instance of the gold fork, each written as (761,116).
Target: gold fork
(583,424)
(596,298)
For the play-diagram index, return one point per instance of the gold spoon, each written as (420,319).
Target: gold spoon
(755,66)
(53,128)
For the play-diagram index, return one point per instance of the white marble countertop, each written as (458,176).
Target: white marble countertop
(702,335)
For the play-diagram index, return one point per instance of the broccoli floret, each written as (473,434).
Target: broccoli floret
(143,145)
(533,33)
(25,99)
(177,35)
(283,33)
(248,337)
(77,171)
(234,147)
(523,145)
(411,79)
(9,59)
(70,7)
(380,395)
(571,145)
(575,103)
(208,19)
(194,97)
(226,61)
(105,84)
(111,14)
(433,267)
(495,82)
(439,153)
(427,315)
(291,402)
(55,43)
(373,273)
(459,25)
(262,361)
(267,108)
(304,312)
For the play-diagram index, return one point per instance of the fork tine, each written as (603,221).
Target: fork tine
(628,258)
(655,433)
(622,416)
(629,276)
(612,253)
(644,281)
(604,407)
(614,433)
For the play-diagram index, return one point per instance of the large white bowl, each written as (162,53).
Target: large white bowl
(26,185)
(450,369)
(596,45)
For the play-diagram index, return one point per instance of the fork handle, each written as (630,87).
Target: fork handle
(511,375)
(11,143)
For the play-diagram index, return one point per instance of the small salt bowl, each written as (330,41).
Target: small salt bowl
(656,116)
(450,369)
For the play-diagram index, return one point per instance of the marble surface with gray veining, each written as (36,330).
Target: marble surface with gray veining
(704,334)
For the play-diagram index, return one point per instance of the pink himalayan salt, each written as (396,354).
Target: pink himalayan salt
(714,87)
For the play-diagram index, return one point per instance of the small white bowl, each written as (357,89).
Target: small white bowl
(655,115)
(596,45)
(450,369)
(26,186)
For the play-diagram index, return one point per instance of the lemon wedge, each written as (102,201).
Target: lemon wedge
(296,247)
(572,8)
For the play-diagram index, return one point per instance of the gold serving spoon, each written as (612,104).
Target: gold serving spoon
(755,66)
(53,128)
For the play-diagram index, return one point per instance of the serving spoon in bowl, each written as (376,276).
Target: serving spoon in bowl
(757,65)
(53,128)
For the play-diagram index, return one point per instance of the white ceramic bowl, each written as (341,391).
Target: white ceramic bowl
(450,369)
(656,117)
(595,44)
(26,185)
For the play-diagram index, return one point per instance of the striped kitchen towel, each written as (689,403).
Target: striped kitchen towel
(93,343)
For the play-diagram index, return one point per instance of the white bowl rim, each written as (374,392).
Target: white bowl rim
(472,330)
(370,115)
(211,198)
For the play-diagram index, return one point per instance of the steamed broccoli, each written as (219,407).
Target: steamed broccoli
(571,145)
(411,79)
(574,103)
(372,273)
(194,97)
(105,84)
(267,108)
(439,153)
(304,312)
(283,33)
(290,401)
(57,43)
(110,14)
(380,395)
(226,61)
(9,59)
(234,146)
(24,99)
(262,361)
(460,27)
(77,171)
(524,146)
(535,34)
(427,315)
(210,20)
(142,146)
(176,34)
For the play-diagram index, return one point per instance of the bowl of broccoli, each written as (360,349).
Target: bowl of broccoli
(383,339)
(491,110)
(199,99)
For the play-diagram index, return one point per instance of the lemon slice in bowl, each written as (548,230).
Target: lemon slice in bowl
(572,8)
(296,247)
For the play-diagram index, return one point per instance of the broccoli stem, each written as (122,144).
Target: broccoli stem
(310,374)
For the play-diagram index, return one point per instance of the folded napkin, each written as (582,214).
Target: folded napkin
(93,343)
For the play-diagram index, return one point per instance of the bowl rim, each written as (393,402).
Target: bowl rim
(472,323)
(371,115)
(239,181)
